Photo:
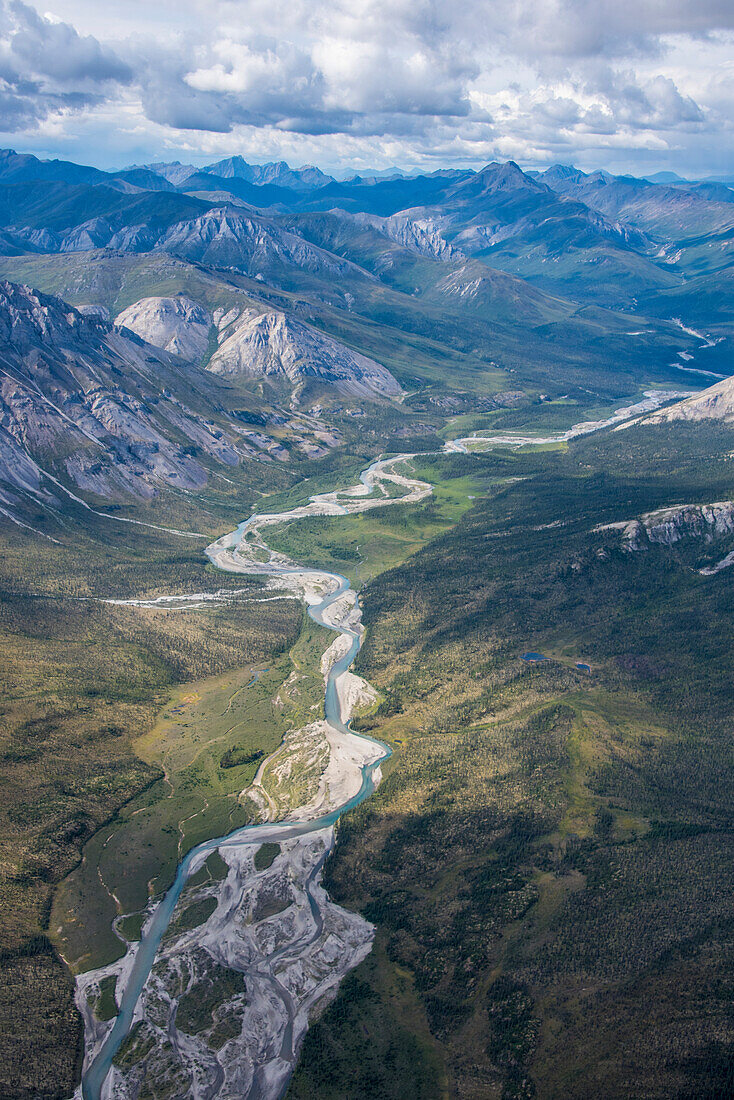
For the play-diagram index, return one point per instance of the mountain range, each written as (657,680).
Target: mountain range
(542,633)
(155,286)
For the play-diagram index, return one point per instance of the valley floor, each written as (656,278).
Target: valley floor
(548,861)
(546,858)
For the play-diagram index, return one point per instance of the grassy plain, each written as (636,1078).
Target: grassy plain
(191,745)
(364,545)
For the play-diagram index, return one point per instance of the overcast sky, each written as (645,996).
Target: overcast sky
(629,85)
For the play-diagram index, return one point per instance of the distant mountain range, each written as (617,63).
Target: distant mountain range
(435,291)
(594,236)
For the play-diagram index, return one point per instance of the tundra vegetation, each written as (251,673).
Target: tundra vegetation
(83,682)
(548,860)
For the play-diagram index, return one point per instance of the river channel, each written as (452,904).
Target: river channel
(331,604)
(228,553)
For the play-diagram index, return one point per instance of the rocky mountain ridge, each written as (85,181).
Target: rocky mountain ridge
(96,406)
(252,343)
(120,411)
(714,403)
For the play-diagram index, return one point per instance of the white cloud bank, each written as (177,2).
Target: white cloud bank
(628,84)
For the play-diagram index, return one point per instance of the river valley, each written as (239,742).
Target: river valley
(271,947)
(215,998)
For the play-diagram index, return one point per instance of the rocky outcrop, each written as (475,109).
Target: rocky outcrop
(715,403)
(178,325)
(272,344)
(414,230)
(87,405)
(668,526)
(254,344)
(706,521)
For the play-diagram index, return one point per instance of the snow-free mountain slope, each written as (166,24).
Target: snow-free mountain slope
(178,325)
(98,408)
(254,345)
(23,167)
(714,403)
(663,211)
(522,226)
(415,256)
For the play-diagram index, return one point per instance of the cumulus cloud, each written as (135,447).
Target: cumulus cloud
(415,80)
(340,76)
(47,66)
(55,50)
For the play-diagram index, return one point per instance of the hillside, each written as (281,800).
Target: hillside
(178,325)
(91,413)
(105,409)
(254,345)
(548,861)
(494,266)
(714,403)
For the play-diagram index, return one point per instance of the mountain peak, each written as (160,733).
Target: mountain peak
(497,178)
(231,167)
(278,173)
(506,174)
(563,172)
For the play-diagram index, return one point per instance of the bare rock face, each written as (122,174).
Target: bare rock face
(236,241)
(705,521)
(715,403)
(271,344)
(178,325)
(711,525)
(97,407)
(224,237)
(106,409)
(414,230)
(667,526)
(29,320)
(255,344)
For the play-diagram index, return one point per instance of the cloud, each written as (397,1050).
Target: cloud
(47,66)
(414,80)
(655,104)
(55,50)
(328,82)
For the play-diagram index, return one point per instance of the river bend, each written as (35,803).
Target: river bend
(293,959)
(276,927)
